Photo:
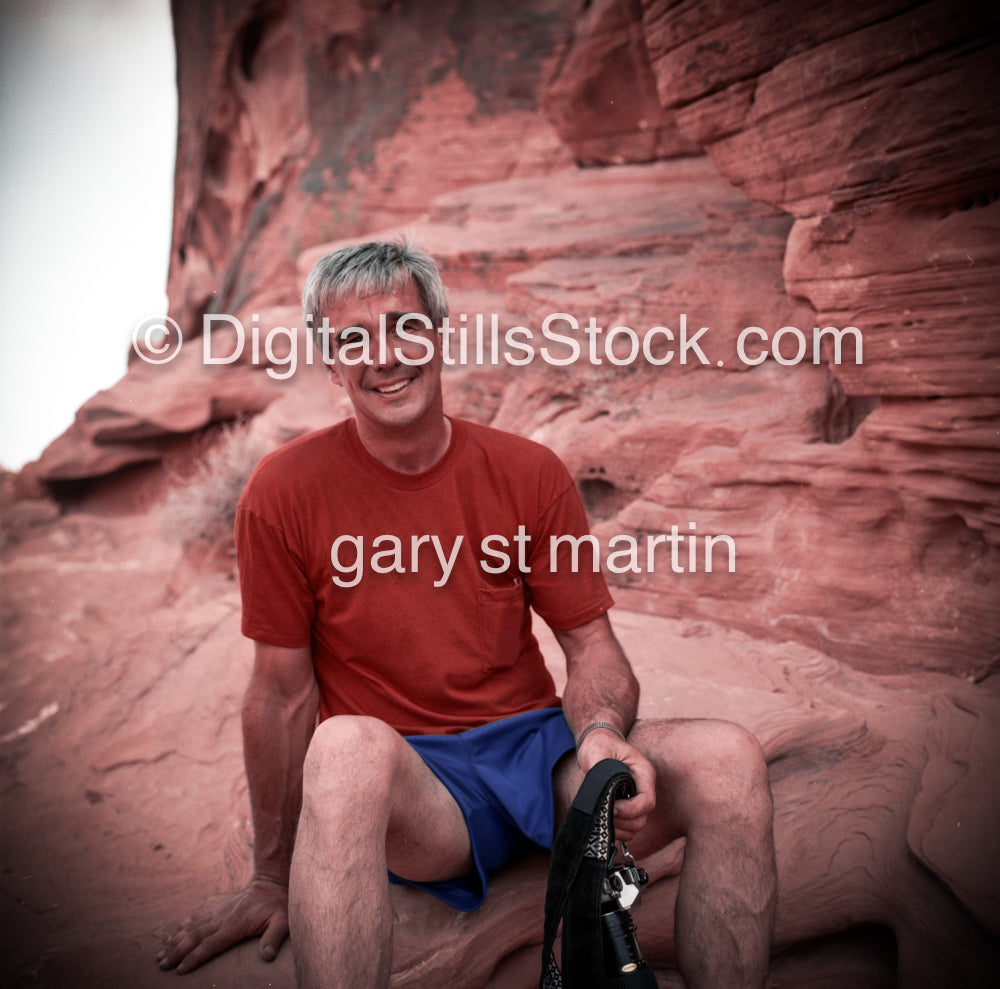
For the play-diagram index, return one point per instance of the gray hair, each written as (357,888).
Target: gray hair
(366,269)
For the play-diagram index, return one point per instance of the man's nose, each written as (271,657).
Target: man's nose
(385,355)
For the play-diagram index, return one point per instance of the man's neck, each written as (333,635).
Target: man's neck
(410,450)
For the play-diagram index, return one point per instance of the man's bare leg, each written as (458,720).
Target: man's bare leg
(369,804)
(712,787)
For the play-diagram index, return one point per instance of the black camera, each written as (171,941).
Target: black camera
(624,965)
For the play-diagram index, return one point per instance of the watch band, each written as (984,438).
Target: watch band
(597,724)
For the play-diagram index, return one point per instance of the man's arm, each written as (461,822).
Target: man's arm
(601,687)
(279,716)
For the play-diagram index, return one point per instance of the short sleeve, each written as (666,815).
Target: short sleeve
(278,603)
(566,583)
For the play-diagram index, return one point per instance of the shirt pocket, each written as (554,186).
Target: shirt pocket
(502,614)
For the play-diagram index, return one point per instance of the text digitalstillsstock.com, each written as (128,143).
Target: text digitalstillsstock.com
(562,340)
(387,553)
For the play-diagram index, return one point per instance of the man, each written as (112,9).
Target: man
(387,565)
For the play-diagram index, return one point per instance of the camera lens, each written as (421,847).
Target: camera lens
(624,966)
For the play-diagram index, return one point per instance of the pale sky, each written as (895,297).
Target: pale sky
(87,142)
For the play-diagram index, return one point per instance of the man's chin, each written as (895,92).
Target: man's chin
(398,415)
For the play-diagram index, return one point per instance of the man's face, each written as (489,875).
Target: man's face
(387,393)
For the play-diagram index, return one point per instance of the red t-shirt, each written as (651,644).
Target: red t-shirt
(445,644)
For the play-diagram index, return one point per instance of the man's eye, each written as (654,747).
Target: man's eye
(350,338)
(413,326)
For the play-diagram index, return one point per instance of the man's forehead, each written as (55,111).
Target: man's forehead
(401,299)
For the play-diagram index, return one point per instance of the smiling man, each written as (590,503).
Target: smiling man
(403,727)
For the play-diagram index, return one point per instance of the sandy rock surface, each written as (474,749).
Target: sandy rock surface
(125,803)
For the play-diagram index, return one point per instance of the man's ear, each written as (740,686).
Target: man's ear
(330,358)
(324,342)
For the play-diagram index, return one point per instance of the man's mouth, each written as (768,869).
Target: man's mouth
(393,387)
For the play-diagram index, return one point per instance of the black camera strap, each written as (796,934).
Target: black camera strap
(580,855)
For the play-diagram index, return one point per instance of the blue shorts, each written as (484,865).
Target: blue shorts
(501,776)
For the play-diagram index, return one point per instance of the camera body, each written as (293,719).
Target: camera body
(624,965)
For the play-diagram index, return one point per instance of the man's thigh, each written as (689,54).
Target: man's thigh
(698,762)
(428,838)
(500,775)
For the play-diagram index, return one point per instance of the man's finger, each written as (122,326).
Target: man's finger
(274,936)
(180,946)
(207,949)
(640,805)
(197,927)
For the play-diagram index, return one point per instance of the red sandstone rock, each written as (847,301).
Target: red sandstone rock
(860,120)
(862,497)
(643,246)
(305,123)
(603,101)
(927,305)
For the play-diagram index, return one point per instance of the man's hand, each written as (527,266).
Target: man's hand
(630,815)
(600,686)
(261,908)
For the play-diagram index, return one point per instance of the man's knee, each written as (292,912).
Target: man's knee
(735,759)
(715,764)
(351,755)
